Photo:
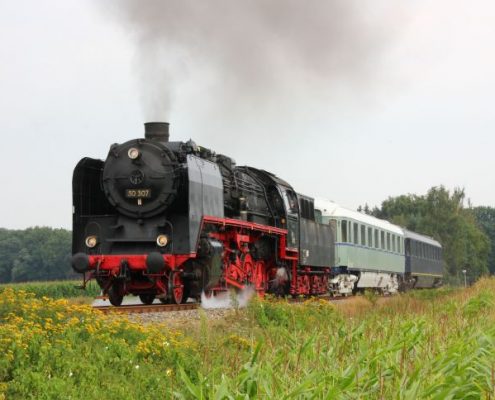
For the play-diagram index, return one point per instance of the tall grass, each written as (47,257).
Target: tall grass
(434,345)
(54,289)
(428,345)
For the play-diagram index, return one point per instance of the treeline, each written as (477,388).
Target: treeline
(35,254)
(466,233)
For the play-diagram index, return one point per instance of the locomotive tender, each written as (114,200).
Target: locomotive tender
(170,220)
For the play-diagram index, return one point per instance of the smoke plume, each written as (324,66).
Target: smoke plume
(255,52)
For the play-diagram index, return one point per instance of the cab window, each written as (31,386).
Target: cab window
(290,201)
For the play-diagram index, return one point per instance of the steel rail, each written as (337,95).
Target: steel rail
(144,308)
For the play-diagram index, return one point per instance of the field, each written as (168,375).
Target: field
(54,289)
(422,345)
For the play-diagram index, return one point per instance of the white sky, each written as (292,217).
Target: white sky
(68,89)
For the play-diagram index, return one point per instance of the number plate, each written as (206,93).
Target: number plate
(138,193)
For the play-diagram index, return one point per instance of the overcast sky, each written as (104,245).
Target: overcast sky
(407,105)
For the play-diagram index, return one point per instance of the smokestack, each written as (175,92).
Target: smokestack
(156,131)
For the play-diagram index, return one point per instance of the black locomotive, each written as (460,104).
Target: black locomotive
(169,220)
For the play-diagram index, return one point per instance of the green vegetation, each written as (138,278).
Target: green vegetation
(54,289)
(443,216)
(35,254)
(421,345)
(485,216)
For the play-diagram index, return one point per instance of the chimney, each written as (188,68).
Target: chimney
(156,131)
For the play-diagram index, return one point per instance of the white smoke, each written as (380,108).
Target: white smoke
(232,299)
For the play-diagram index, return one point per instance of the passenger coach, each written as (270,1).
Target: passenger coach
(367,249)
(424,265)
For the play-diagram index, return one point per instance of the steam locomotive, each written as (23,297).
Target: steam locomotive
(170,220)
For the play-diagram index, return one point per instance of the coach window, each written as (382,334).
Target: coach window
(393,243)
(388,241)
(363,235)
(355,232)
(318,216)
(370,237)
(344,230)
(382,239)
(376,238)
(399,247)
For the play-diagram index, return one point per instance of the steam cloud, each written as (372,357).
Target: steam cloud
(251,51)
(228,299)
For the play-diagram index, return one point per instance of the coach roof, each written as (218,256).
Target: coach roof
(331,209)
(421,238)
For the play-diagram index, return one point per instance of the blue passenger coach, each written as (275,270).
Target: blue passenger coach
(424,265)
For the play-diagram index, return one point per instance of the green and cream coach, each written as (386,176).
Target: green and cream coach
(369,252)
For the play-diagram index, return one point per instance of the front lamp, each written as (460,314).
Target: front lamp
(91,241)
(133,153)
(162,240)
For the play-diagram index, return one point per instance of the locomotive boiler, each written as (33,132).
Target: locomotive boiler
(170,220)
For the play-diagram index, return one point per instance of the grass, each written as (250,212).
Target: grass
(54,289)
(421,345)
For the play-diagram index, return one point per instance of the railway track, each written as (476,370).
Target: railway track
(153,308)
(143,308)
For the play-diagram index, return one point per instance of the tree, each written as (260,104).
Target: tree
(442,215)
(38,253)
(485,217)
